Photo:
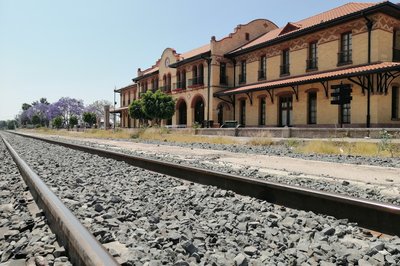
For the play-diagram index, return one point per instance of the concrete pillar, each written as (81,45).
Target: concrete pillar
(106,116)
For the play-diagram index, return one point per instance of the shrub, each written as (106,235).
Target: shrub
(57,122)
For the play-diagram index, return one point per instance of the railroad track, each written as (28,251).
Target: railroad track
(369,214)
(372,215)
(82,247)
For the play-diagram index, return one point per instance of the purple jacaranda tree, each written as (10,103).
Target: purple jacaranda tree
(53,111)
(23,117)
(40,110)
(68,107)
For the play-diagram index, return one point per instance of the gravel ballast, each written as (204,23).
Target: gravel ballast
(324,182)
(163,220)
(25,237)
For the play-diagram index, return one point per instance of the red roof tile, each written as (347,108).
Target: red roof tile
(150,70)
(309,78)
(309,22)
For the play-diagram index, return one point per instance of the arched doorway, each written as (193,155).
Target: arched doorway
(182,113)
(199,111)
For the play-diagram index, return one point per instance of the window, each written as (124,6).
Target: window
(242,75)
(201,75)
(396,46)
(395,102)
(312,108)
(263,67)
(222,74)
(312,56)
(262,115)
(169,83)
(183,79)
(345,54)
(194,79)
(164,83)
(285,62)
(247,36)
(345,113)
(178,84)
(242,117)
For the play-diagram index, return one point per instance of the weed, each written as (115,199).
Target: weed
(386,143)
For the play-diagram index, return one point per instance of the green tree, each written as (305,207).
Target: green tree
(136,110)
(36,120)
(11,124)
(158,105)
(44,101)
(89,117)
(73,121)
(26,106)
(3,124)
(57,122)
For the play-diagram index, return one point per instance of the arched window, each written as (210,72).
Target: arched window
(178,84)
(194,75)
(169,82)
(164,83)
(201,74)
(183,79)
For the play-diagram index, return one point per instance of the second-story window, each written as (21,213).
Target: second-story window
(223,80)
(183,79)
(169,82)
(285,62)
(396,46)
(201,74)
(312,56)
(164,87)
(262,73)
(194,76)
(345,53)
(178,84)
(242,75)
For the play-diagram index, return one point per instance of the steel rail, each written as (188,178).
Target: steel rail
(378,216)
(82,247)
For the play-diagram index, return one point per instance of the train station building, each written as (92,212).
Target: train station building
(261,75)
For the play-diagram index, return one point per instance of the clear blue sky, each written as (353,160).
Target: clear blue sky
(82,49)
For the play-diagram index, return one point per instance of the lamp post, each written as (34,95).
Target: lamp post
(114,108)
(208,88)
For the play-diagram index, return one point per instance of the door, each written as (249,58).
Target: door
(220,111)
(285,111)
(182,113)
(199,112)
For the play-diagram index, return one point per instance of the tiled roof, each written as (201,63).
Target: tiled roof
(130,86)
(194,52)
(311,21)
(150,70)
(309,78)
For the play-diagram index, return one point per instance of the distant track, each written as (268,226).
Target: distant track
(81,246)
(369,214)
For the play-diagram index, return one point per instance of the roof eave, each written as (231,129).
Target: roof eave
(320,26)
(221,93)
(145,76)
